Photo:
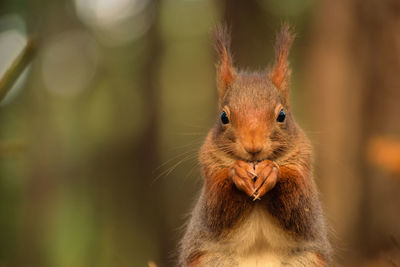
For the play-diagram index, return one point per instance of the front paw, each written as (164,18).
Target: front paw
(267,175)
(242,175)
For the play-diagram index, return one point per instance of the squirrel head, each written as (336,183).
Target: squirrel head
(255,120)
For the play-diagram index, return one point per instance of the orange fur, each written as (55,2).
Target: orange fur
(291,201)
(195,260)
(280,73)
(321,260)
(225,203)
(225,70)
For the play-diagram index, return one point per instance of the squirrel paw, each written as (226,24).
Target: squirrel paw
(267,175)
(242,174)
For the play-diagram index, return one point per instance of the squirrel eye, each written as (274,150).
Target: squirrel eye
(281,116)
(224,118)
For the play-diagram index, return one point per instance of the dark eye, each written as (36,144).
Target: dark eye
(281,116)
(224,118)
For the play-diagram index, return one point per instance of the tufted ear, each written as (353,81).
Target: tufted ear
(225,69)
(280,72)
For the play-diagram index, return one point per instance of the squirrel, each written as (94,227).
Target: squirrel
(259,204)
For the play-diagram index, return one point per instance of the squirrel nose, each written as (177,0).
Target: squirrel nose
(253,150)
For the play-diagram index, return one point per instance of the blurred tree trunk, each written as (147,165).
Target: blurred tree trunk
(42,166)
(114,179)
(352,68)
(127,180)
(252,35)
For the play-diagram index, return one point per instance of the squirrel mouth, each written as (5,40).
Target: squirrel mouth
(255,162)
(258,158)
(254,159)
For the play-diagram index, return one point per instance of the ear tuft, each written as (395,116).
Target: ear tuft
(225,70)
(280,73)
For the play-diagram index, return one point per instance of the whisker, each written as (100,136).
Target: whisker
(178,163)
(196,164)
(173,167)
(191,134)
(190,154)
(174,157)
(195,142)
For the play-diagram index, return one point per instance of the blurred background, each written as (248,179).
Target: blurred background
(99,135)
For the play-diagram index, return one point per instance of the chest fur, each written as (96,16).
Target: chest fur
(258,240)
(257,233)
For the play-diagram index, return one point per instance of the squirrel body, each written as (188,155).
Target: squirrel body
(259,204)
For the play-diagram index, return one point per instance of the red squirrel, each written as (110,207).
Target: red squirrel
(259,204)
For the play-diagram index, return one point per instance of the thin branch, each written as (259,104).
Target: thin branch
(17,67)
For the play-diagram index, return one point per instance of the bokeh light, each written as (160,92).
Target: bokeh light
(115,22)
(70,61)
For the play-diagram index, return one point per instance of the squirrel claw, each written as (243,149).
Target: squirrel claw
(256,197)
(268,176)
(242,175)
(252,174)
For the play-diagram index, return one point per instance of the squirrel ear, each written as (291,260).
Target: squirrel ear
(225,69)
(280,73)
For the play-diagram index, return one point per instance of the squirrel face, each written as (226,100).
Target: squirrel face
(255,119)
(256,122)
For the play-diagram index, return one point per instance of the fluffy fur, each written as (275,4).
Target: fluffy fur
(238,220)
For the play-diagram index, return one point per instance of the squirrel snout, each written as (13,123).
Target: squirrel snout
(253,149)
(253,142)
